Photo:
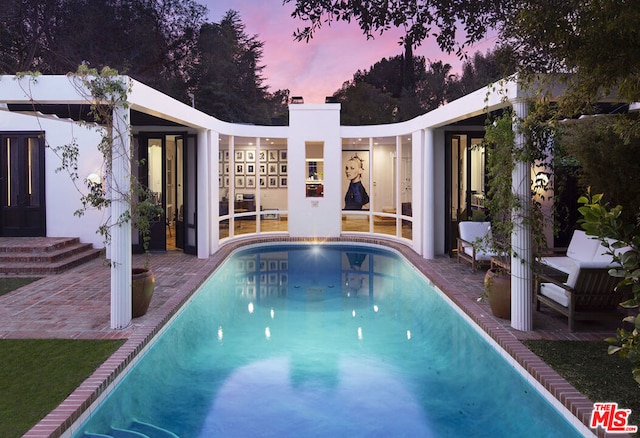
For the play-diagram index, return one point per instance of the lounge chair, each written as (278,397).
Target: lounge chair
(589,293)
(470,234)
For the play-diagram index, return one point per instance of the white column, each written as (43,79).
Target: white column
(522,256)
(207,182)
(429,215)
(120,234)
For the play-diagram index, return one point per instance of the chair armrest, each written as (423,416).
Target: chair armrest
(549,279)
(557,251)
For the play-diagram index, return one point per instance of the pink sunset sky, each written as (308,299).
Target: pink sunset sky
(318,69)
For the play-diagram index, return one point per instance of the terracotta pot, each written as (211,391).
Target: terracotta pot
(142,284)
(498,287)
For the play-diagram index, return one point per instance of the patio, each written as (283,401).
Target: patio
(76,305)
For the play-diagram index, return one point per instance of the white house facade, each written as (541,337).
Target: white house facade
(218,182)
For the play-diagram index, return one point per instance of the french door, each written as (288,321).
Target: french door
(167,168)
(22,197)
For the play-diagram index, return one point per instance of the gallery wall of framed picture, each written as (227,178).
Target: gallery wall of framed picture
(268,169)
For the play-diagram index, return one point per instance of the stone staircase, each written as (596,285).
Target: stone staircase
(36,256)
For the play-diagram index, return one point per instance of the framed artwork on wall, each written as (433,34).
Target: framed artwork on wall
(250,155)
(263,181)
(250,169)
(239,168)
(272,155)
(272,182)
(283,181)
(272,169)
(283,155)
(355,182)
(250,182)
(283,168)
(263,169)
(239,156)
(263,155)
(239,182)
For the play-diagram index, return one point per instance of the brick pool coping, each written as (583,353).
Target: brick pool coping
(463,288)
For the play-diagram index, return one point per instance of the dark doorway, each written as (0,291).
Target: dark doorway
(162,169)
(466,177)
(22,201)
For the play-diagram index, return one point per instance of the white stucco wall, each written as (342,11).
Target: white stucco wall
(62,195)
(315,217)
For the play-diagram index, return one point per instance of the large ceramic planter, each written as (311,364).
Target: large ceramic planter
(497,285)
(142,285)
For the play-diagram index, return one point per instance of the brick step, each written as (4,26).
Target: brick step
(35,244)
(43,256)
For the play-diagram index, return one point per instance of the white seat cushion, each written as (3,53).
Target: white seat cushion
(556,293)
(561,263)
(582,247)
(471,231)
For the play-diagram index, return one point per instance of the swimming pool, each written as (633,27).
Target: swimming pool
(324,341)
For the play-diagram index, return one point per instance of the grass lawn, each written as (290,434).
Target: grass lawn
(9,284)
(588,367)
(36,375)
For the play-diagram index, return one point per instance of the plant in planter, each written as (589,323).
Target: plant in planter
(105,91)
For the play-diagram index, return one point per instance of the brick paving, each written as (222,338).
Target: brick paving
(76,305)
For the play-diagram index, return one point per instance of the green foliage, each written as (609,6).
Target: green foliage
(228,83)
(616,234)
(383,94)
(36,375)
(499,143)
(502,154)
(444,21)
(598,147)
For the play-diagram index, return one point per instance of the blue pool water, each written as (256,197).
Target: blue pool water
(324,341)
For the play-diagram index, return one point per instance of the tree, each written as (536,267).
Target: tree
(596,41)
(227,81)
(364,104)
(152,41)
(481,70)
(24,27)
(420,18)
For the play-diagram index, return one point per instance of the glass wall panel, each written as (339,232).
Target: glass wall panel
(273,182)
(357,180)
(384,187)
(406,184)
(244,184)
(224,183)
